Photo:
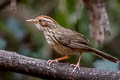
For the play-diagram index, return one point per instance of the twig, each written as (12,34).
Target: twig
(3,3)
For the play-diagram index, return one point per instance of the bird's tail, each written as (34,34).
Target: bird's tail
(104,55)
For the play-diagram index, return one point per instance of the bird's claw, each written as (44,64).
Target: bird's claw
(75,67)
(51,61)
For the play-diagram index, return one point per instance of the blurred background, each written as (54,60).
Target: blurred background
(21,37)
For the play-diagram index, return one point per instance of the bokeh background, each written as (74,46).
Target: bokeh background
(19,36)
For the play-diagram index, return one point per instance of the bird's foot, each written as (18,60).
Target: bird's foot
(52,61)
(77,66)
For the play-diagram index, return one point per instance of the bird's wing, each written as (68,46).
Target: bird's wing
(77,41)
(72,39)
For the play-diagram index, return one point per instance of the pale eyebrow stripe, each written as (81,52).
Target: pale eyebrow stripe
(46,19)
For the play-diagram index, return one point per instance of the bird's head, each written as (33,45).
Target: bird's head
(43,22)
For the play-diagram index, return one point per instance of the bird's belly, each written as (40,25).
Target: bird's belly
(61,49)
(58,47)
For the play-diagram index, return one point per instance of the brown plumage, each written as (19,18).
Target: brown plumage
(78,42)
(66,41)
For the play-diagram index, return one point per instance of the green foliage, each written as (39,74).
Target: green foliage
(71,5)
(118,1)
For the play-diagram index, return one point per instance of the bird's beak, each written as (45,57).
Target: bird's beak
(31,20)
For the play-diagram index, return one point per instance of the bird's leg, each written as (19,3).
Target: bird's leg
(58,59)
(77,65)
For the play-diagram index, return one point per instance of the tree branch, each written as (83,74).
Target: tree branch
(11,61)
(99,22)
(4,3)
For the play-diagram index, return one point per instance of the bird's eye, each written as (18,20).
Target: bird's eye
(40,20)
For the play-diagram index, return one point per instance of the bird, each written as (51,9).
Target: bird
(66,41)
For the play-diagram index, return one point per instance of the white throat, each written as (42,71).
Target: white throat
(38,26)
